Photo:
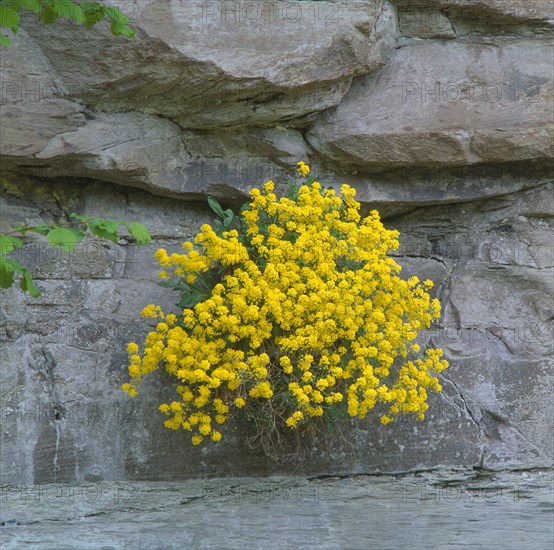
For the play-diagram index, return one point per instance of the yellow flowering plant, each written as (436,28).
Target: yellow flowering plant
(290,312)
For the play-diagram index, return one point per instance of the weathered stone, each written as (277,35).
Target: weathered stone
(152,153)
(208,65)
(449,140)
(69,353)
(500,511)
(438,104)
(199,89)
(413,21)
(482,12)
(405,188)
(27,128)
(31,108)
(496,327)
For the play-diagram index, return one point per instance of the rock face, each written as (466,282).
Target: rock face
(286,513)
(224,64)
(438,112)
(450,104)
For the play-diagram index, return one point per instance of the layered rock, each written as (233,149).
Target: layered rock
(453,18)
(221,64)
(443,125)
(450,104)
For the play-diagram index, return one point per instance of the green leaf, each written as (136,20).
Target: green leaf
(7,244)
(31,5)
(75,216)
(27,285)
(10,267)
(64,237)
(49,15)
(139,232)
(14,266)
(5,41)
(69,10)
(292,191)
(116,16)
(175,286)
(93,12)
(6,274)
(7,270)
(105,229)
(9,18)
(41,229)
(121,29)
(216,207)
(78,15)
(89,6)
(218,227)
(92,18)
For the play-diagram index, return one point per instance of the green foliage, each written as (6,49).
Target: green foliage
(139,232)
(64,237)
(49,11)
(200,289)
(8,244)
(228,219)
(10,267)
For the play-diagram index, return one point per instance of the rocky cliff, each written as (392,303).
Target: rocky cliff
(439,112)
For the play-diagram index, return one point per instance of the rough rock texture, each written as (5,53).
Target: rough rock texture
(454,103)
(443,509)
(438,112)
(525,16)
(223,64)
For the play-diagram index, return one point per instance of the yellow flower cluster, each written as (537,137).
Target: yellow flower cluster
(310,311)
(303,168)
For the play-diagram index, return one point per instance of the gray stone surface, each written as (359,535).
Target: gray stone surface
(454,103)
(68,352)
(209,103)
(501,13)
(212,65)
(445,509)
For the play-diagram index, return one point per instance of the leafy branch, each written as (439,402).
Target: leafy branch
(87,14)
(64,237)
